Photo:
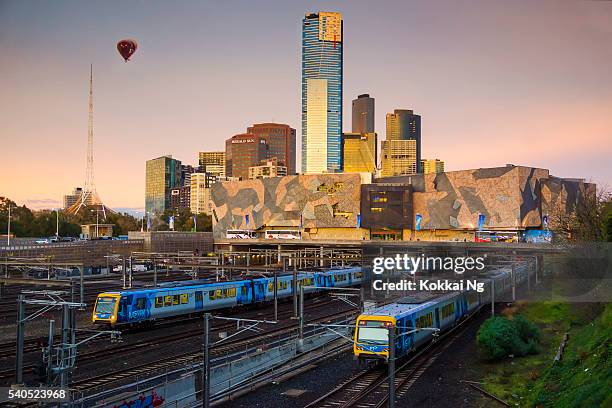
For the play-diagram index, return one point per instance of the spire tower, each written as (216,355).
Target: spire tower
(89,196)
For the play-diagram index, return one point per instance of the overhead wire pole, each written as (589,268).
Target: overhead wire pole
(391,365)
(206,346)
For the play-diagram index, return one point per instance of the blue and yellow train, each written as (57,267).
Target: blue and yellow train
(417,319)
(137,306)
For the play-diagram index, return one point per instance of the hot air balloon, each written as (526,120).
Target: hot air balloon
(127,48)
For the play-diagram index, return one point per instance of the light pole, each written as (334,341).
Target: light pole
(8,233)
(97,224)
(57,224)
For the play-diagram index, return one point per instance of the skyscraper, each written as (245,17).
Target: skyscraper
(200,194)
(363,114)
(245,150)
(399,157)
(162,176)
(403,124)
(281,142)
(359,151)
(212,162)
(432,166)
(322,92)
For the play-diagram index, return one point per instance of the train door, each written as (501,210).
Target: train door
(437,323)
(122,311)
(199,300)
(259,292)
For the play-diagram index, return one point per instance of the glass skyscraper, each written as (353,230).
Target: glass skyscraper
(322,93)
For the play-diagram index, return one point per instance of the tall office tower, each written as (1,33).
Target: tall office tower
(162,176)
(363,114)
(399,157)
(186,171)
(212,162)
(360,152)
(245,150)
(71,199)
(432,166)
(322,93)
(200,194)
(281,142)
(228,157)
(403,124)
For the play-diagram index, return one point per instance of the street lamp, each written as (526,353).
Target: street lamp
(8,232)
(57,223)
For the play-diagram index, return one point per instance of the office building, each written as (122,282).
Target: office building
(186,171)
(363,114)
(281,142)
(181,197)
(212,162)
(245,150)
(200,194)
(322,92)
(360,152)
(71,199)
(432,166)
(399,157)
(162,176)
(267,168)
(403,124)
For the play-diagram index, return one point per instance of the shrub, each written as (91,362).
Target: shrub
(500,337)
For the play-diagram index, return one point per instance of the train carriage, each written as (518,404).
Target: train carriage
(167,300)
(417,317)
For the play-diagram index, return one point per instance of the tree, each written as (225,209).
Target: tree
(587,221)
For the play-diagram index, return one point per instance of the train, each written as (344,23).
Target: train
(417,319)
(140,306)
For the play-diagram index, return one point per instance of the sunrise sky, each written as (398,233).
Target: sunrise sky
(518,82)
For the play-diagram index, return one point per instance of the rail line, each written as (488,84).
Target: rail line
(191,357)
(370,387)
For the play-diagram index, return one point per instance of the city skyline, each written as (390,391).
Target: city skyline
(537,93)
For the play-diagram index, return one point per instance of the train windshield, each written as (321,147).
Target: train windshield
(373,332)
(105,305)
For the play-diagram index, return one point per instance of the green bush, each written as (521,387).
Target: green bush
(500,337)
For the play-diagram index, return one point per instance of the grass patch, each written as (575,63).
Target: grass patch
(534,381)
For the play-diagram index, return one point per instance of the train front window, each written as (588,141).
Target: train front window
(105,305)
(373,332)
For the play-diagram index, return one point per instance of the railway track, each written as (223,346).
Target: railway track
(154,342)
(370,387)
(238,344)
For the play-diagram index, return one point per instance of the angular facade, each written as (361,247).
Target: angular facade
(162,176)
(281,142)
(318,204)
(322,73)
(437,206)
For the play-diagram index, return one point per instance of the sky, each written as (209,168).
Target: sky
(519,82)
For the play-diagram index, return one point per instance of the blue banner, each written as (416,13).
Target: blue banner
(171,222)
(417,221)
(246,219)
(358,221)
(481,220)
